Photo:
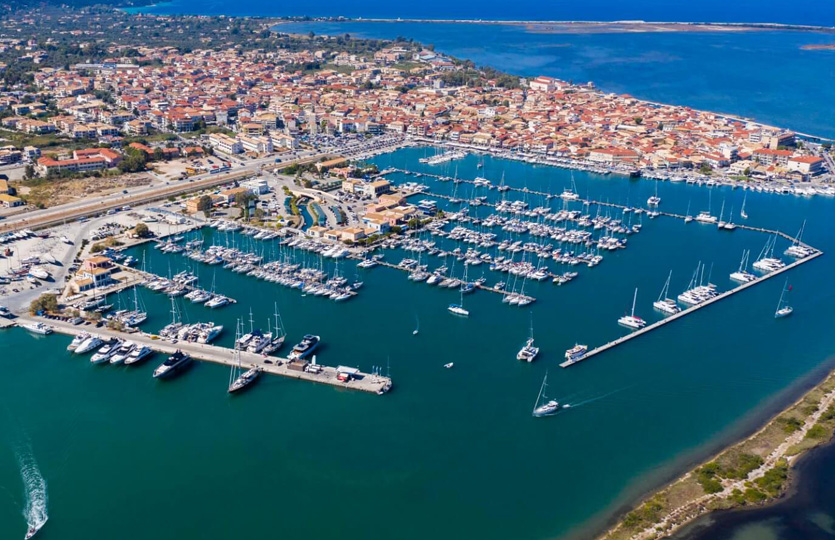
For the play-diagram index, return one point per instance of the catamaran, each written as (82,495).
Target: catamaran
(783,308)
(655,200)
(631,321)
(665,304)
(529,351)
(798,250)
(743,275)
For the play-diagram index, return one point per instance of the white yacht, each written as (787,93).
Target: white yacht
(122,354)
(705,217)
(138,354)
(631,321)
(76,341)
(38,328)
(217,302)
(575,354)
(92,342)
(665,304)
(783,308)
(544,406)
(106,352)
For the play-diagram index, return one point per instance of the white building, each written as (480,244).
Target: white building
(225,143)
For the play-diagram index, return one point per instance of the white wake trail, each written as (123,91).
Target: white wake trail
(34,487)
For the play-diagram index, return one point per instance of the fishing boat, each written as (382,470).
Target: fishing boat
(783,308)
(631,321)
(664,303)
(544,406)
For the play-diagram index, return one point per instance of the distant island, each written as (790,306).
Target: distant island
(819,47)
(590,27)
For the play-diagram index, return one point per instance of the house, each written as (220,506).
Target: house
(10,201)
(91,159)
(225,143)
(810,165)
(95,272)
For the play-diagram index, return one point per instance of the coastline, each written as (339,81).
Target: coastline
(586,27)
(681,502)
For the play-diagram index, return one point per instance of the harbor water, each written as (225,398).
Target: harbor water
(448,452)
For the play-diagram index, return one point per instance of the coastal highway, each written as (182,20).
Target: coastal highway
(88,207)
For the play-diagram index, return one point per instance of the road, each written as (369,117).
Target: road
(97,205)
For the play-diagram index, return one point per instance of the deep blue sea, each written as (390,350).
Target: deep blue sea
(809,12)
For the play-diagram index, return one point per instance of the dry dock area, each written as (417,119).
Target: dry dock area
(364,382)
(614,343)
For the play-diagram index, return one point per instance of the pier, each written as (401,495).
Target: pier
(364,382)
(621,340)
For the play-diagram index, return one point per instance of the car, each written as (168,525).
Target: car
(124,192)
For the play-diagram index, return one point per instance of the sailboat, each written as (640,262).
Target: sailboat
(783,308)
(417,326)
(655,200)
(544,406)
(528,352)
(665,304)
(721,223)
(631,321)
(742,212)
(237,380)
(458,309)
(688,218)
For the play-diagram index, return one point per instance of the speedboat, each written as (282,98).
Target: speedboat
(528,353)
(449,365)
(172,365)
(305,347)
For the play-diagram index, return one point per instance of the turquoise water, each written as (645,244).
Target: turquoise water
(448,453)
(732,72)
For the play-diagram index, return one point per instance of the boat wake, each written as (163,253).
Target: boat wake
(598,398)
(34,487)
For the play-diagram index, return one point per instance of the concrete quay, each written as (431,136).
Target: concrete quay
(364,382)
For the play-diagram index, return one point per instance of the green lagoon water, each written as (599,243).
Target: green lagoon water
(447,454)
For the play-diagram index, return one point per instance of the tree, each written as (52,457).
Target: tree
(204,204)
(44,303)
(243,200)
(705,168)
(29,172)
(141,230)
